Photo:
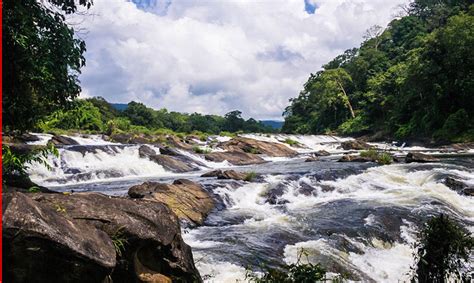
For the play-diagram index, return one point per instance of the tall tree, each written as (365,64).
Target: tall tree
(41,60)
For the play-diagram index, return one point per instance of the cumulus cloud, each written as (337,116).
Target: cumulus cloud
(217,56)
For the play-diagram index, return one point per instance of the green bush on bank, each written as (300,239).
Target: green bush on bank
(381,158)
(443,250)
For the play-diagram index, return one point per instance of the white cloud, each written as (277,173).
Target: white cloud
(218,56)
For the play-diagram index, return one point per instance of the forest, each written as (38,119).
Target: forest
(413,80)
(96,115)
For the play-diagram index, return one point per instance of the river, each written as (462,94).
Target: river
(355,218)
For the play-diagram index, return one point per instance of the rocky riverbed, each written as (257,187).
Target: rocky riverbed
(125,208)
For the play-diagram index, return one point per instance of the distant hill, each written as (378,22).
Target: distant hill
(272,123)
(119,106)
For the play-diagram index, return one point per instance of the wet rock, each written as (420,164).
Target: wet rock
(321,153)
(166,150)
(420,158)
(226,174)
(121,137)
(179,143)
(258,147)
(63,140)
(234,157)
(326,188)
(187,199)
(468,191)
(454,184)
(273,195)
(170,163)
(27,137)
(42,245)
(306,189)
(141,139)
(459,187)
(355,145)
(311,159)
(23,184)
(355,158)
(149,230)
(145,151)
(173,164)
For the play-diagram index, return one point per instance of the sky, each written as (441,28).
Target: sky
(212,56)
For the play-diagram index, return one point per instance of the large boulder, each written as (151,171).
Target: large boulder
(42,245)
(27,137)
(144,151)
(258,147)
(173,163)
(63,140)
(420,158)
(179,143)
(187,199)
(355,145)
(235,157)
(226,174)
(146,234)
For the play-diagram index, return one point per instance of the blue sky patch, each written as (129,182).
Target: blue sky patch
(309,7)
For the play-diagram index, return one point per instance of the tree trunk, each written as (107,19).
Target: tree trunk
(348,101)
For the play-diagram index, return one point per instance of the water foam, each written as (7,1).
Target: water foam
(100,164)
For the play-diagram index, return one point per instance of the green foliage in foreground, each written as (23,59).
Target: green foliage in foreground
(442,251)
(120,241)
(16,164)
(414,79)
(292,273)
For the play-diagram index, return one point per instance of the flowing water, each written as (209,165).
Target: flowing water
(355,218)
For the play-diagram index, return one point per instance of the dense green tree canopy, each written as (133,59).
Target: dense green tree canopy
(414,79)
(97,115)
(41,60)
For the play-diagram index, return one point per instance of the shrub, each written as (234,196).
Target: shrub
(200,150)
(291,142)
(202,136)
(83,116)
(118,124)
(442,251)
(384,159)
(227,134)
(371,153)
(250,176)
(381,158)
(120,241)
(293,273)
